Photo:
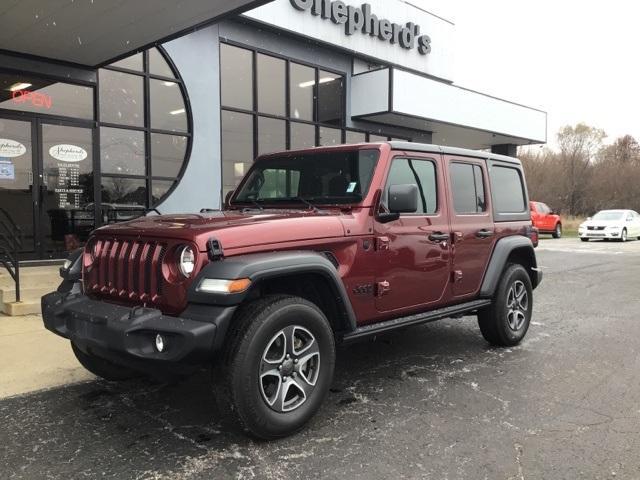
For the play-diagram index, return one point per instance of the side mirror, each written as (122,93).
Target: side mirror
(401,199)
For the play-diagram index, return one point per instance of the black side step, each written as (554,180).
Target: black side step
(401,322)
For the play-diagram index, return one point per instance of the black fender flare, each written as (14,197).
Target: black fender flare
(503,249)
(270,265)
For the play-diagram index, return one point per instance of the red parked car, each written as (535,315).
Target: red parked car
(545,219)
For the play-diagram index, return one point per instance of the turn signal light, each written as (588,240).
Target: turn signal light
(216,285)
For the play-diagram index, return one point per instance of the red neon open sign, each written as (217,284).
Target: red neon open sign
(40,100)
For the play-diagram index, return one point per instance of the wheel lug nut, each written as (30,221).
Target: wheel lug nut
(279,367)
(284,379)
(295,361)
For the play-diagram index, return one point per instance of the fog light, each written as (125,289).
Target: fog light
(159,343)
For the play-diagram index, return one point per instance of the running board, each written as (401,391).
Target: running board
(401,322)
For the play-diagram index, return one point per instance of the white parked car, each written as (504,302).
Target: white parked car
(611,224)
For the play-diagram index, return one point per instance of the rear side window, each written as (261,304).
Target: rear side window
(467,185)
(406,171)
(507,189)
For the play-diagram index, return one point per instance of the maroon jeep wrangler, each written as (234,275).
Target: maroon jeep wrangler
(314,248)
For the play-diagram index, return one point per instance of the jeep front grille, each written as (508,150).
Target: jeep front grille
(127,270)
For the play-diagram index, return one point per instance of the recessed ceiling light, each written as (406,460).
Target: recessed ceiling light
(311,83)
(177,112)
(169,84)
(19,86)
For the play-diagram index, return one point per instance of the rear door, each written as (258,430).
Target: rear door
(413,252)
(472,224)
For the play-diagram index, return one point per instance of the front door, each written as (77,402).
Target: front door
(17,167)
(67,187)
(46,183)
(413,252)
(471,223)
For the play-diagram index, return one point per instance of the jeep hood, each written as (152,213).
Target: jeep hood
(234,229)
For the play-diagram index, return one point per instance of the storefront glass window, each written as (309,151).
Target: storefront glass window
(330,98)
(271,85)
(121,98)
(159,189)
(122,151)
(303,135)
(303,80)
(123,198)
(356,137)
(26,93)
(237,148)
(158,65)
(168,111)
(141,162)
(272,135)
(167,154)
(134,62)
(236,71)
(330,136)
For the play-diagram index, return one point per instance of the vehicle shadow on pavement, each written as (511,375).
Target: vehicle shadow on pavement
(140,428)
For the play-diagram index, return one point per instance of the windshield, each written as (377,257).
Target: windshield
(608,215)
(317,178)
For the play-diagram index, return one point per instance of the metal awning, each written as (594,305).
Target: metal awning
(455,116)
(96,32)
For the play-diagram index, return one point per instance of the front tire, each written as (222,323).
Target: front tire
(584,239)
(506,321)
(623,236)
(557,232)
(276,368)
(103,368)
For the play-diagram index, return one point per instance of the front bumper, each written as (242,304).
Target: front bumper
(600,234)
(126,336)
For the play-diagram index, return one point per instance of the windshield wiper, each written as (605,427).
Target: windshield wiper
(306,202)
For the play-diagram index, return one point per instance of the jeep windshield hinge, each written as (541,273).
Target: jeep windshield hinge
(214,249)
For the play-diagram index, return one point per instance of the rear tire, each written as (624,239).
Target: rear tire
(276,368)
(584,239)
(506,321)
(557,232)
(103,368)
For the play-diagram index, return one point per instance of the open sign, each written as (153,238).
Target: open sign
(37,99)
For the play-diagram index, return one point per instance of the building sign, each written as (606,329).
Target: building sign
(362,19)
(37,99)
(11,148)
(68,153)
(375,32)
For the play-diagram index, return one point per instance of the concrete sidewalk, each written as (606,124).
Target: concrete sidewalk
(32,358)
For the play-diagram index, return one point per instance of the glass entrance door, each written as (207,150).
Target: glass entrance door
(17,147)
(47,183)
(67,207)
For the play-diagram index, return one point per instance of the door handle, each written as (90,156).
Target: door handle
(439,237)
(484,233)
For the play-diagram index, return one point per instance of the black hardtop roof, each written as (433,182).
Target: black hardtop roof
(463,152)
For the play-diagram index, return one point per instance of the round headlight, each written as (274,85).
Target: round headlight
(187,261)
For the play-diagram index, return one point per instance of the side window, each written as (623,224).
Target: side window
(508,190)
(417,172)
(545,209)
(467,186)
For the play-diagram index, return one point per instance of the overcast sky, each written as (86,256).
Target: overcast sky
(577,60)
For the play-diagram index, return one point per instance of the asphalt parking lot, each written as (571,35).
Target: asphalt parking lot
(430,402)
